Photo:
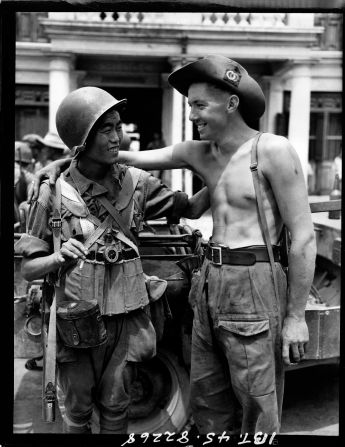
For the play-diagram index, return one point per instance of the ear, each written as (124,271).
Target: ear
(233,103)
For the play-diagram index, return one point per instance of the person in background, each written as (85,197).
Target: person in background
(337,166)
(23,176)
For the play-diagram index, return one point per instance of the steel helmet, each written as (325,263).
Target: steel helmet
(79,111)
(22,152)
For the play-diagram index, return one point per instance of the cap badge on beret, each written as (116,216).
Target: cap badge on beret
(233,76)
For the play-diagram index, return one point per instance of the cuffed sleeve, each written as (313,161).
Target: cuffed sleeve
(158,200)
(31,246)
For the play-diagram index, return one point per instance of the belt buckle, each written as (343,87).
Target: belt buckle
(111,254)
(219,254)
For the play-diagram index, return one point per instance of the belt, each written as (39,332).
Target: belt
(114,256)
(241,256)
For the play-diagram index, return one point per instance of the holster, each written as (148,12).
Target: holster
(80,324)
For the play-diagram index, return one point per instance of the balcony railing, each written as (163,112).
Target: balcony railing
(29,27)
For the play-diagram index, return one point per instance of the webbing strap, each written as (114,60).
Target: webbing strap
(119,222)
(49,376)
(98,232)
(257,174)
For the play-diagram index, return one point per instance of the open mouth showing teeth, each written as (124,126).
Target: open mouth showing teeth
(201,126)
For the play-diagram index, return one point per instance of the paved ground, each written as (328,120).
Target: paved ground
(310,405)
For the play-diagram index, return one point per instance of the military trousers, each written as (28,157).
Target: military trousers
(101,377)
(237,373)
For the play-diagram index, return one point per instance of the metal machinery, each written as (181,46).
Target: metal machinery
(160,396)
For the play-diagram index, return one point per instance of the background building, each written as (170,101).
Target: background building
(295,57)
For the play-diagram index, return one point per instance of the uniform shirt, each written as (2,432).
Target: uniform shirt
(118,288)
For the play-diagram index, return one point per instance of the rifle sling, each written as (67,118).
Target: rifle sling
(49,375)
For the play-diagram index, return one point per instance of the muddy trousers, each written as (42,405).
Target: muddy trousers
(237,374)
(100,376)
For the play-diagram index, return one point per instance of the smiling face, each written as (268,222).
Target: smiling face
(102,145)
(209,110)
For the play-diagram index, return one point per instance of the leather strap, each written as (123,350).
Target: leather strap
(240,256)
(126,236)
(49,375)
(98,232)
(257,174)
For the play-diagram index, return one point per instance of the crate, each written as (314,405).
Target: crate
(324,332)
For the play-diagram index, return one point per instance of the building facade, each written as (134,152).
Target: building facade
(295,57)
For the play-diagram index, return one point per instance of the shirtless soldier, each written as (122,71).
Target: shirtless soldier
(242,334)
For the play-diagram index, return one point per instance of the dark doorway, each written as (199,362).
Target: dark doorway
(144,108)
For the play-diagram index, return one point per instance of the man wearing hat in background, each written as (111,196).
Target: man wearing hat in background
(23,168)
(102,205)
(247,322)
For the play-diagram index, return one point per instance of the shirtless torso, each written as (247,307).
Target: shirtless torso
(232,197)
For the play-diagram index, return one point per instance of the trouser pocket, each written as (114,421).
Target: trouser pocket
(249,351)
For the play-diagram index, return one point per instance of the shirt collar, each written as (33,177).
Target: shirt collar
(83,183)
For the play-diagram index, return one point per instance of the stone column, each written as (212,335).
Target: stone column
(299,120)
(188,135)
(177,123)
(274,100)
(59,85)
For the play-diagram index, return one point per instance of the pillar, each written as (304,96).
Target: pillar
(299,120)
(59,85)
(176,127)
(274,100)
(188,135)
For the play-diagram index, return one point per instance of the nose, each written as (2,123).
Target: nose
(114,137)
(191,115)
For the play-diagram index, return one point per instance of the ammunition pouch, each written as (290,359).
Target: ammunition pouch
(80,324)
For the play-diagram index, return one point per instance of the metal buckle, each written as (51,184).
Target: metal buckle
(111,254)
(56,223)
(219,250)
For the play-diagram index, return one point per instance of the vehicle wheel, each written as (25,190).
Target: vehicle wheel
(159,399)
(162,403)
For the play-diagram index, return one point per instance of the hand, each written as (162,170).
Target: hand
(295,335)
(71,250)
(51,171)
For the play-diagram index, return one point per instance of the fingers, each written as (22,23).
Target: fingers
(295,356)
(293,353)
(286,354)
(73,249)
(34,189)
(53,177)
(30,192)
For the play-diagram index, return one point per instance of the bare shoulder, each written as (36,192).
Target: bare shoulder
(191,151)
(275,151)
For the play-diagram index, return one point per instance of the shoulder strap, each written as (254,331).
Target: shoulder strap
(49,376)
(117,218)
(262,217)
(128,188)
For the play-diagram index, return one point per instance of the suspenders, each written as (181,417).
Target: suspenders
(257,174)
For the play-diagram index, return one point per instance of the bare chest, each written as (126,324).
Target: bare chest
(230,181)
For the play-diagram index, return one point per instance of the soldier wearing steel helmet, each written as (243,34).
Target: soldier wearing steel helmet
(94,189)
(247,322)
